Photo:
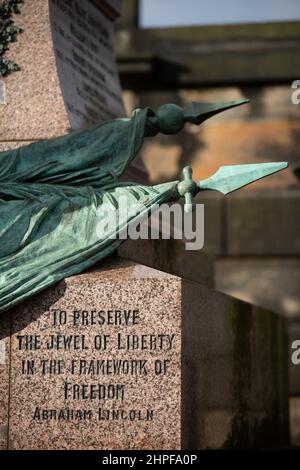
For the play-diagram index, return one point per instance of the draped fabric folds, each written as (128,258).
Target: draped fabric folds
(52,195)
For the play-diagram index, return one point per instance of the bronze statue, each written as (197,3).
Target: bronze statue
(51,192)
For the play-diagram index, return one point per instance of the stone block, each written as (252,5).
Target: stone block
(34,106)
(68,77)
(294,369)
(170,256)
(120,405)
(264,223)
(265,130)
(269,282)
(127,357)
(4,379)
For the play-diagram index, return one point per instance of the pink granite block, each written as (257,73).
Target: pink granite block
(4,378)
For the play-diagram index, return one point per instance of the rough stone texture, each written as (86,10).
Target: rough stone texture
(265,130)
(116,5)
(226,385)
(272,283)
(231,364)
(214,218)
(13,145)
(173,257)
(294,335)
(46,98)
(4,378)
(124,286)
(34,106)
(295,420)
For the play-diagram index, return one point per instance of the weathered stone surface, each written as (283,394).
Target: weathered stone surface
(214,219)
(86,65)
(225,385)
(34,106)
(12,145)
(111,7)
(125,286)
(173,257)
(295,420)
(4,378)
(170,256)
(230,365)
(269,282)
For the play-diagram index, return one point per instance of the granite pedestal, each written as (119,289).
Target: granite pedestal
(128,357)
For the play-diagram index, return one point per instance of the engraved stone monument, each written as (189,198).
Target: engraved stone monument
(127,357)
(68,77)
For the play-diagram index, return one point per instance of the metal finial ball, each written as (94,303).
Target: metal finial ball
(170,118)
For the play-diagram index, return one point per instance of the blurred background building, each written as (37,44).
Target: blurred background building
(220,51)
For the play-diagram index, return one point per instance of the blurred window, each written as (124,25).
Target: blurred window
(171,13)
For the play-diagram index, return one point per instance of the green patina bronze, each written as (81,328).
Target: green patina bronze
(52,194)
